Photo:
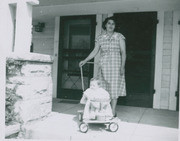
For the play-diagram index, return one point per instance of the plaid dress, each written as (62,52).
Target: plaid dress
(110,63)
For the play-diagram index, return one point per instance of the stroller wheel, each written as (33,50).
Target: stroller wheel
(83,127)
(80,116)
(113,127)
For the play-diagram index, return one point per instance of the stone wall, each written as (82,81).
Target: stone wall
(29,79)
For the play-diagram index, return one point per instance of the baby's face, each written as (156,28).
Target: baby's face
(94,85)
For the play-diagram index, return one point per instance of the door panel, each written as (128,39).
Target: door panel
(140,32)
(76,42)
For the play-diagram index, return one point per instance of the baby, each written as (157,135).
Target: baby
(96,100)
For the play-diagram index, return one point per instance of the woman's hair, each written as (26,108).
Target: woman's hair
(106,20)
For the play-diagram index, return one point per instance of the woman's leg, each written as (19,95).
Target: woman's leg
(113,106)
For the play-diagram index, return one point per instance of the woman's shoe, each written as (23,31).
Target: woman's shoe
(115,115)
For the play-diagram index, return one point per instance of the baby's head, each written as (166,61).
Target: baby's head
(95,83)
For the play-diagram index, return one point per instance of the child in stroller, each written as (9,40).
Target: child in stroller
(97,102)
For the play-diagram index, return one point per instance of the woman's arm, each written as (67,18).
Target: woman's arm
(91,55)
(123,54)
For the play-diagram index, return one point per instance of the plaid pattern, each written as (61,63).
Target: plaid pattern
(110,63)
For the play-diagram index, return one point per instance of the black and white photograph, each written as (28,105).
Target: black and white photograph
(89,70)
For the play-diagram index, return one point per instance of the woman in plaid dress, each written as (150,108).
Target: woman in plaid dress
(112,60)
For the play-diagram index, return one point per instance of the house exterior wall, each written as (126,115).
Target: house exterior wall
(170,57)
(43,43)
(175,61)
(166,59)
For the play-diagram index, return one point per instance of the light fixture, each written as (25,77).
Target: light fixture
(39,27)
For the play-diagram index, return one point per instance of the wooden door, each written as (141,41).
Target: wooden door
(140,32)
(77,35)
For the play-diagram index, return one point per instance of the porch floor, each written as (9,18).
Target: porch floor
(164,118)
(137,124)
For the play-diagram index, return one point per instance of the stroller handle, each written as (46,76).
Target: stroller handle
(82,80)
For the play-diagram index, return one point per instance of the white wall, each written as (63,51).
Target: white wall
(166,67)
(166,59)
(43,42)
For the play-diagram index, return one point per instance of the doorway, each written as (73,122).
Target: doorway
(77,35)
(140,32)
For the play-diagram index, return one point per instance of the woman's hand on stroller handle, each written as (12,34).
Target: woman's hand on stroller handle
(81,63)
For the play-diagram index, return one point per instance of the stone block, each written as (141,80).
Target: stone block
(11,87)
(36,69)
(16,80)
(28,80)
(33,109)
(12,129)
(35,57)
(14,67)
(39,87)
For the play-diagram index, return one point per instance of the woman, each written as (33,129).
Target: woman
(112,60)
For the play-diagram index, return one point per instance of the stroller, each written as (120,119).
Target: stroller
(98,118)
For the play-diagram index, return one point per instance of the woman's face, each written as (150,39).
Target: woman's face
(110,26)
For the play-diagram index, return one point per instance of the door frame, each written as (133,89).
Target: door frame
(60,46)
(174,60)
(124,100)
